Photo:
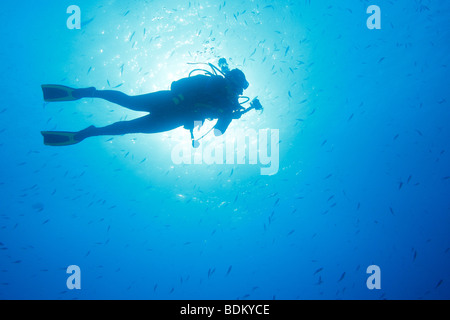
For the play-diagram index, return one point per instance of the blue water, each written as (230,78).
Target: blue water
(364,153)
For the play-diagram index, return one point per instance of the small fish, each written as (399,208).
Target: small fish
(287,50)
(317,271)
(342,277)
(229,270)
(132,35)
(85,23)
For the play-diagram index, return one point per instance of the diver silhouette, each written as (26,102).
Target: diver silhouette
(191,99)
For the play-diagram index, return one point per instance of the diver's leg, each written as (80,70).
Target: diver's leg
(147,124)
(145,102)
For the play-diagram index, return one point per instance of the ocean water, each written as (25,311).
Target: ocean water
(360,177)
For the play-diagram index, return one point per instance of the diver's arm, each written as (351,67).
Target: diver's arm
(222,125)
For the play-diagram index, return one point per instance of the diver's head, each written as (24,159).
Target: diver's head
(237,80)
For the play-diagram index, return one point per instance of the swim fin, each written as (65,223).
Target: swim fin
(59,138)
(55,92)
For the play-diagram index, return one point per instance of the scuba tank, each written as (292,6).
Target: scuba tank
(224,69)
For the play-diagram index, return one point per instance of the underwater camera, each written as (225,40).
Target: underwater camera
(255,104)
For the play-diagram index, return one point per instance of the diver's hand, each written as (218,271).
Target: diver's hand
(237,115)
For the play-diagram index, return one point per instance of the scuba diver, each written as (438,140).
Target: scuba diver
(196,98)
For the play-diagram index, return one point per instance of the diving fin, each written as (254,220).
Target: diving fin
(54,92)
(59,138)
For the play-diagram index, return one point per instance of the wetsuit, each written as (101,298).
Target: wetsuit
(190,99)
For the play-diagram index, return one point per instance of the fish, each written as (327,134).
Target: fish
(287,50)
(342,277)
(86,22)
(228,271)
(317,271)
